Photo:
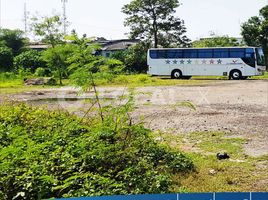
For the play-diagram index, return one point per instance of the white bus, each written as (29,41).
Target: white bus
(183,63)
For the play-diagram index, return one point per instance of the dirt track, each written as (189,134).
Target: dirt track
(237,107)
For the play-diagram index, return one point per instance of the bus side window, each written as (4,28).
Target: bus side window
(162,54)
(174,54)
(190,53)
(221,53)
(153,54)
(250,53)
(205,53)
(237,53)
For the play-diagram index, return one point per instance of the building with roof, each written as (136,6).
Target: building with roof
(111,46)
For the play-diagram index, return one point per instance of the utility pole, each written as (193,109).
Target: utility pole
(64,16)
(25,18)
(0,14)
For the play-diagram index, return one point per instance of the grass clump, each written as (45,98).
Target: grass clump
(240,173)
(46,154)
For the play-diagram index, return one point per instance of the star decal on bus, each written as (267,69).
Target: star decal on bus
(235,61)
(219,61)
(189,61)
(175,61)
(211,61)
(168,62)
(204,62)
(182,62)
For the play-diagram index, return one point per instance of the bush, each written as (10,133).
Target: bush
(40,71)
(47,154)
(134,58)
(6,59)
(29,60)
(7,76)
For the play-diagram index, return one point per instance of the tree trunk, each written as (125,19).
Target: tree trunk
(155,39)
(155,30)
(60,77)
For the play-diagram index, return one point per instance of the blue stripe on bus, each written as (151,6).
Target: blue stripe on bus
(186,196)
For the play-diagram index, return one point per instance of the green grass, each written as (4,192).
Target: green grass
(265,76)
(142,80)
(240,173)
(15,85)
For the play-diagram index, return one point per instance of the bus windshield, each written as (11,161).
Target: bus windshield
(260,57)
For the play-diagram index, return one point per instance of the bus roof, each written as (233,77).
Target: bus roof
(243,47)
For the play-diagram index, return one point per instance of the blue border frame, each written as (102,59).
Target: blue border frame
(184,196)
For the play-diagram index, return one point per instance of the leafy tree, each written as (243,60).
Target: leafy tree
(216,41)
(84,54)
(6,58)
(154,20)
(30,59)
(49,29)
(134,58)
(255,31)
(56,59)
(83,62)
(13,39)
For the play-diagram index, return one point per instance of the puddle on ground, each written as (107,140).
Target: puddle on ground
(68,99)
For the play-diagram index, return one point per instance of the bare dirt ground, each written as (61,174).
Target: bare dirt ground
(237,107)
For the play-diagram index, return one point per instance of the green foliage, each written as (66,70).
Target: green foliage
(83,61)
(40,72)
(255,31)
(13,39)
(49,29)
(48,154)
(134,58)
(56,59)
(7,76)
(30,59)
(155,20)
(216,41)
(6,59)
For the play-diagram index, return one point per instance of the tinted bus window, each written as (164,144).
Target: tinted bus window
(250,53)
(153,54)
(205,53)
(237,53)
(221,53)
(161,54)
(174,54)
(190,53)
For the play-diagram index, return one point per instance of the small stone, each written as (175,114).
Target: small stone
(222,156)
(212,172)
(160,139)
(40,93)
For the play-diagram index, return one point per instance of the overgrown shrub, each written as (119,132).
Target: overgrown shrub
(29,60)
(6,58)
(40,71)
(48,154)
(134,58)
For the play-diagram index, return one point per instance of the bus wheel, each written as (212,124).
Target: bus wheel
(236,75)
(176,74)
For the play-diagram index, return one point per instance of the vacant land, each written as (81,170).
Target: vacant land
(239,108)
(201,119)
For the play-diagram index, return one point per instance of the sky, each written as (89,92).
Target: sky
(103,18)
